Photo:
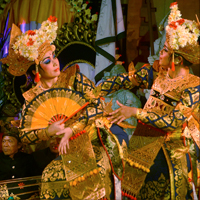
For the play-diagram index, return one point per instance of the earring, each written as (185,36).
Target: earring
(176,61)
(37,75)
(173,66)
(182,62)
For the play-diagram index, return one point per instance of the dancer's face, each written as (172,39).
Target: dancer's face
(50,66)
(165,56)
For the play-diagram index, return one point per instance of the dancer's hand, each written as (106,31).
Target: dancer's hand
(55,127)
(122,113)
(64,142)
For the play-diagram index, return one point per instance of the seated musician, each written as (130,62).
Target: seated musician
(14,163)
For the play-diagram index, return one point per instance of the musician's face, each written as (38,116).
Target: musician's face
(10,146)
(50,66)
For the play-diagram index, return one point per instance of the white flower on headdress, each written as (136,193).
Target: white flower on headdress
(181,31)
(28,43)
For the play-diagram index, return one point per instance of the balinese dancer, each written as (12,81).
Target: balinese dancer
(84,169)
(163,155)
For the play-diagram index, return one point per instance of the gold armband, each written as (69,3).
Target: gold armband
(77,127)
(133,79)
(138,113)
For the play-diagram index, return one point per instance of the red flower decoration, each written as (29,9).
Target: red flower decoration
(173,4)
(30,32)
(173,25)
(21,185)
(90,7)
(30,42)
(180,21)
(52,19)
(87,2)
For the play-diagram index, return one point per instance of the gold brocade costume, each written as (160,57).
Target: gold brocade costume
(169,106)
(85,171)
(170,133)
(167,131)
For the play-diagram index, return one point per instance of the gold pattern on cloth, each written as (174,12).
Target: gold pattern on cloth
(79,158)
(52,180)
(154,190)
(50,190)
(94,187)
(165,84)
(178,158)
(92,131)
(171,88)
(105,173)
(143,151)
(76,127)
(180,176)
(194,129)
(171,173)
(83,85)
(146,152)
(54,171)
(90,188)
(157,106)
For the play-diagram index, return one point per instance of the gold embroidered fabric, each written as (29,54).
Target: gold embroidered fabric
(49,190)
(103,163)
(91,188)
(165,84)
(79,158)
(180,174)
(194,129)
(56,178)
(165,99)
(154,190)
(143,151)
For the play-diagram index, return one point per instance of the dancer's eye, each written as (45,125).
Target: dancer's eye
(47,61)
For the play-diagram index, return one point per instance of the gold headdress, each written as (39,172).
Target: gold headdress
(28,48)
(182,35)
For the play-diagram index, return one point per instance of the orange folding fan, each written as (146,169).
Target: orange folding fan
(50,106)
